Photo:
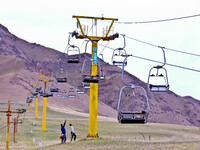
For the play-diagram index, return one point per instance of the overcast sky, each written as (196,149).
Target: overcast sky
(48,22)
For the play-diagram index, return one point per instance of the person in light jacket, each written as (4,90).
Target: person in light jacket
(73,135)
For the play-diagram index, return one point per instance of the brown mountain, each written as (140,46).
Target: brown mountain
(20,63)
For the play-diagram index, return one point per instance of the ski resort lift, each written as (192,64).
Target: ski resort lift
(34,93)
(118,55)
(61,74)
(72,91)
(29,99)
(86,73)
(54,86)
(86,85)
(80,88)
(158,79)
(102,77)
(138,111)
(73,52)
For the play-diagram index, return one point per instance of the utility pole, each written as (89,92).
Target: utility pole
(45,95)
(8,114)
(94,86)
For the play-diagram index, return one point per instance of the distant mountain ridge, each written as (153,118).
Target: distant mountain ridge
(21,61)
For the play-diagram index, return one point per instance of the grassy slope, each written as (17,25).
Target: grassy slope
(112,134)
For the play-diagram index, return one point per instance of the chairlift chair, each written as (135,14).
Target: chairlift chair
(80,89)
(86,86)
(157,87)
(132,117)
(158,73)
(102,77)
(34,93)
(119,54)
(38,89)
(54,90)
(71,95)
(29,100)
(75,58)
(87,77)
(118,57)
(61,75)
(54,87)
(131,93)
(73,52)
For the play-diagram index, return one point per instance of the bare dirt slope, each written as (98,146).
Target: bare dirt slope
(20,63)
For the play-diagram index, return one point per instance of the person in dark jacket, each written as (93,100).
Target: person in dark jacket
(63,131)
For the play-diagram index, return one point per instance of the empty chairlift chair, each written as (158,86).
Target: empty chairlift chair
(80,88)
(72,93)
(73,52)
(54,86)
(61,75)
(158,79)
(86,85)
(118,55)
(86,73)
(102,77)
(133,105)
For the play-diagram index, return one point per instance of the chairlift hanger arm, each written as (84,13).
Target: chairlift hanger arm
(123,71)
(163,56)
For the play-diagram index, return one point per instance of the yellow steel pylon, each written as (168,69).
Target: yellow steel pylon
(44,99)
(37,86)
(94,86)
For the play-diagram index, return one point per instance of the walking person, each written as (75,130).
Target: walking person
(63,132)
(72,132)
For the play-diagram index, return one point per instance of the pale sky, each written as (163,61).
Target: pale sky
(48,22)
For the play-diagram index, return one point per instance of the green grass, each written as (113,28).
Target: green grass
(112,134)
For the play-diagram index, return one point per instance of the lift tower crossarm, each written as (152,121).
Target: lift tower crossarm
(95,38)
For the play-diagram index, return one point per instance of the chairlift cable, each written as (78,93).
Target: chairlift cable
(162,20)
(103,48)
(147,59)
(178,51)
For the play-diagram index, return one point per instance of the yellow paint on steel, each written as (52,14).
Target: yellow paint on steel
(93,97)
(36,106)
(109,28)
(31,106)
(97,38)
(44,113)
(80,26)
(97,18)
(45,98)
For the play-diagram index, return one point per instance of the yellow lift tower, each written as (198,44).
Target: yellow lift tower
(37,87)
(92,133)
(45,95)
(31,103)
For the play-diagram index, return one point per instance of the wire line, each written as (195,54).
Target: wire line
(147,59)
(178,51)
(162,20)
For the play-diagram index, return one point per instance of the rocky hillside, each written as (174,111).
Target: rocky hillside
(20,63)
